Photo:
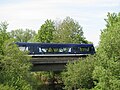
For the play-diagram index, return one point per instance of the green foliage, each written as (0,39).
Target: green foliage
(3,34)
(45,34)
(6,87)
(107,69)
(21,35)
(106,79)
(14,64)
(109,43)
(79,74)
(14,67)
(43,76)
(112,19)
(69,31)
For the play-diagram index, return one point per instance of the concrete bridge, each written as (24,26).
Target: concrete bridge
(52,62)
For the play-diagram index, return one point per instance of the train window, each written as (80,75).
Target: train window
(23,48)
(36,49)
(60,49)
(69,50)
(75,49)
(56,50)
(65,49)
(31,49)
(40,50)
(84,49)
(91,49)
(50,50)
(43,49)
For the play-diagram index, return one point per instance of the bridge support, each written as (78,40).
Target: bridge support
(49,67)
(52,63)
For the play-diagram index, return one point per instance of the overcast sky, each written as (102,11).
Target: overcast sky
(32,13)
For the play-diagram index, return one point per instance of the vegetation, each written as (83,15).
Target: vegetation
(104,68)
(3,35)
(14,64)
(45,34)
(21,35)
(79,74)
(107,69)
(6,87)
(68,31)
(97,72)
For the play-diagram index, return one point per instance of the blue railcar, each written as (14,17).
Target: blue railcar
(50,48)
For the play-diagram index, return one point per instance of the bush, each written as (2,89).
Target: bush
(6,87)
(79,74)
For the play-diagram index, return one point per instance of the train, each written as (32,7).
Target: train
(56,48)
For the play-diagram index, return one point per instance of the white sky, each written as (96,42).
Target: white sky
(32,13)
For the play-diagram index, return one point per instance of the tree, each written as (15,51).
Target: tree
(78,75)
(45,34)
(105,72)
(107,69)
(3,34)
(21,35)
(15,67)
(14,64)
(69,31)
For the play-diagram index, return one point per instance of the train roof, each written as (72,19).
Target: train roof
(52,44)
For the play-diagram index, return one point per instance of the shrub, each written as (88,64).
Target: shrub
(79,74)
